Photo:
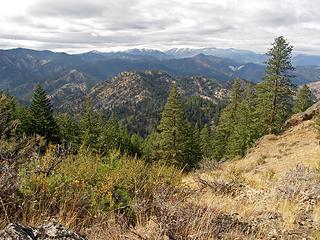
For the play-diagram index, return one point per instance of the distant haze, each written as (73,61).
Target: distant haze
(111,25)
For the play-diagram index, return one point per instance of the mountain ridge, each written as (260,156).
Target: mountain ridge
(21,69)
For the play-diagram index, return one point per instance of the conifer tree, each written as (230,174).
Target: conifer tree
(303,100)
(242,135)
(136,142)
(206,142)
(274,94)
(23,115)
(151,146)
(69,131)
(227,121)
(7,115)
(115,136)
(111,135)
(173,129)
(193,148)
(41,120)
(91,128)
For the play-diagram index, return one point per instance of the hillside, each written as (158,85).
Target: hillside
(140,96)
(274,190)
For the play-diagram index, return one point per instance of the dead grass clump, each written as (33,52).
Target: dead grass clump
(208,166)
(299,195)
(301,184)
(272,137)
(270,173)
(174,217)
(261,160)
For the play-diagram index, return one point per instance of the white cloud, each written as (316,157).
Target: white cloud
(80,25)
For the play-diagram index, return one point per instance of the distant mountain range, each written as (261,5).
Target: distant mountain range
(62,74)
(241,56)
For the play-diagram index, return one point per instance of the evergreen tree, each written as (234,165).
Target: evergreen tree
(69,131)
(113,133)
(7,115)
(193,148)
(173,129)
(23,115)
(242,135)
(41,120)
(206,142)
(115,136)
(91,128)
(303,100)
(274,94)
(227,121)
(136,142)
(151,146)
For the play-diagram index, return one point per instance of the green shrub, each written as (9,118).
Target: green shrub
(85,185)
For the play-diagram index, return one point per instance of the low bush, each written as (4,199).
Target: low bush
(77,189)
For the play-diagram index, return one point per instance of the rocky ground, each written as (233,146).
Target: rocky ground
(49,230)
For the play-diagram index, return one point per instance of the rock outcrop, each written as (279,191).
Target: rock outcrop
(303,116)
(49,230)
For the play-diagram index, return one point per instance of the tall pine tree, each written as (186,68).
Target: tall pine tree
(303,100)
(91,128)
(41,120)
(206,142)
(227,121)
(69,131)
(114,136)
(275,93)
(193,150)
(174,136)
(242,135)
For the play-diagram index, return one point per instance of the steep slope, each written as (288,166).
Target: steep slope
(138,88)
(275,188)
(140,96)
(69,90)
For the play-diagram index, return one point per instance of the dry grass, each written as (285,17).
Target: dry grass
(276,187)
(289,211)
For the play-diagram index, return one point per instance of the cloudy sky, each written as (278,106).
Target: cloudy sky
(84,25)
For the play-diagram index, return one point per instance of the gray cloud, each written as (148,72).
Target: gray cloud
(102,24)
(70,8)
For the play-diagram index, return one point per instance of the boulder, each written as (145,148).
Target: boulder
(49,230)
(297,118)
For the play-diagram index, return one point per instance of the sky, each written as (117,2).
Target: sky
(111,25)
